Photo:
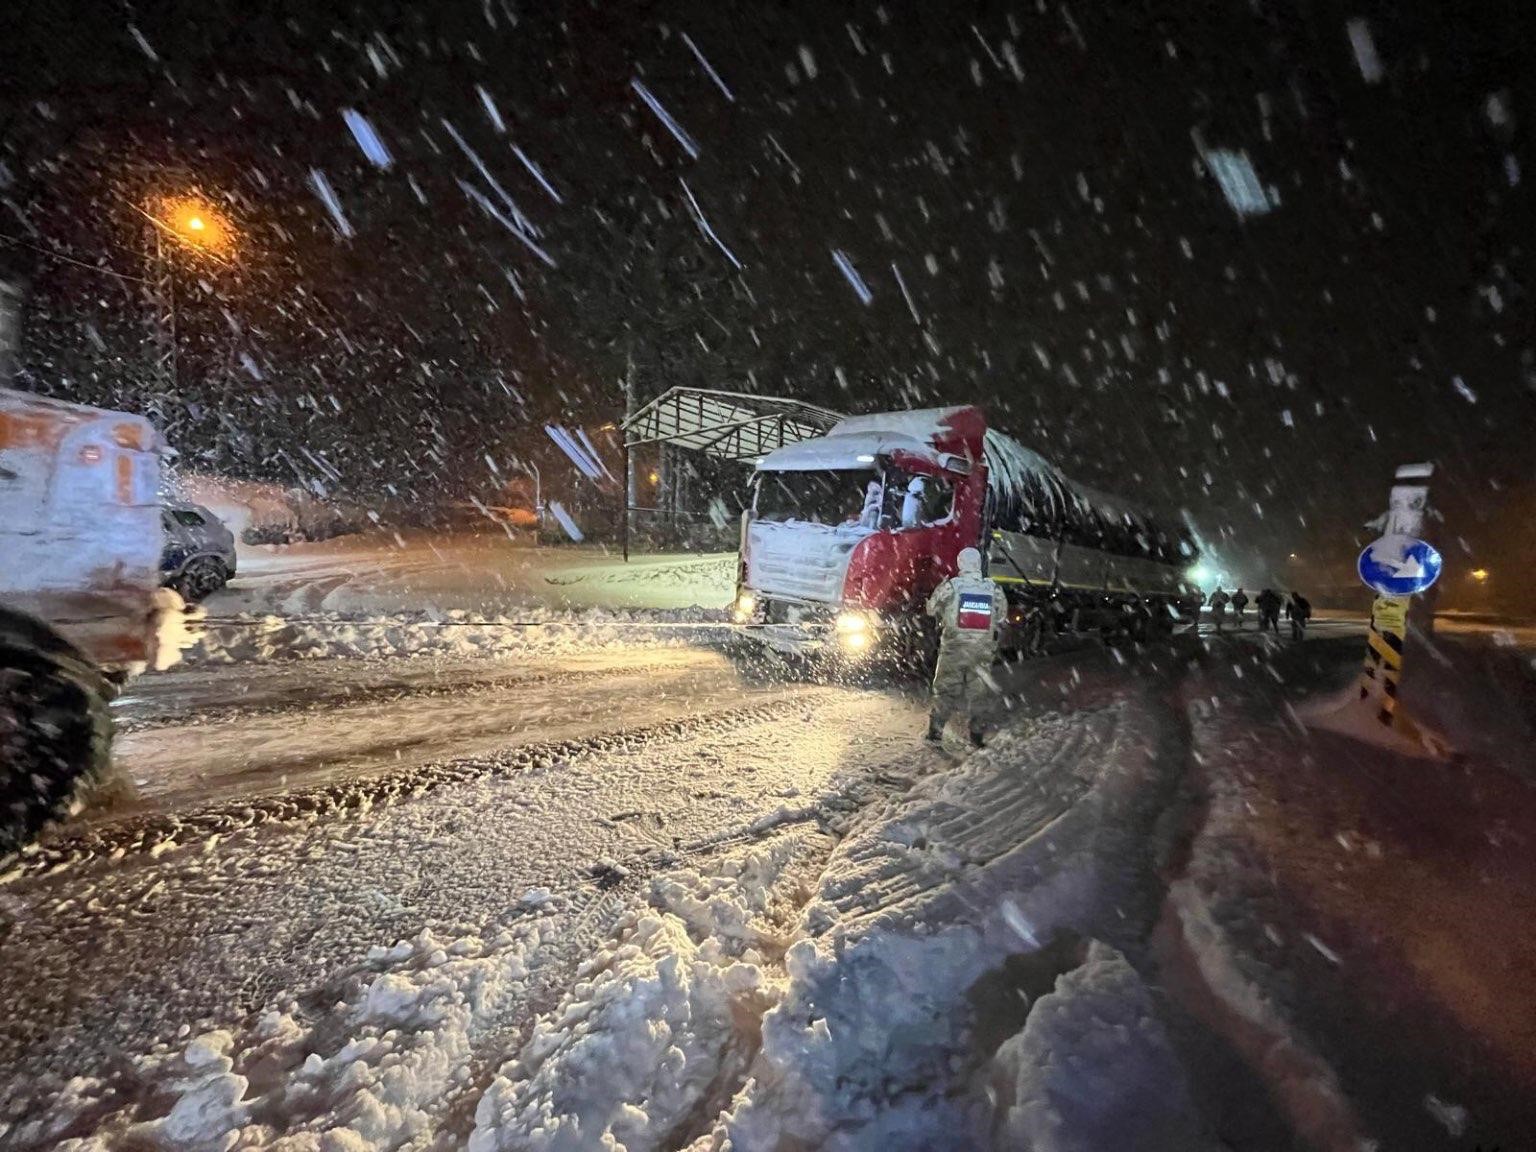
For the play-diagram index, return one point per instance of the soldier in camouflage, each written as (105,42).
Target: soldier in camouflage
(968,609)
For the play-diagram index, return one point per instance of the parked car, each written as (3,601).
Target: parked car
(199,554)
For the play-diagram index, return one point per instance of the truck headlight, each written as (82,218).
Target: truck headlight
(745,605)
(855,641)
(853,624)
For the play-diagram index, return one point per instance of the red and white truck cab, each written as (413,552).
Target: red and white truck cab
(847,535)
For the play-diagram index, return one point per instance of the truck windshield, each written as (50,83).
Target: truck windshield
(825,497)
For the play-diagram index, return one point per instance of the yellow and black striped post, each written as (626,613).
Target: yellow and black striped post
(1383,669)
(1387,640)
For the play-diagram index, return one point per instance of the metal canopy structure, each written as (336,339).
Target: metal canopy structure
(726,425)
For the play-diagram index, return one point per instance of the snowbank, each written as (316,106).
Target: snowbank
(242,638)
(1209,910)
(649,1033)
(1093,1069)
(652,1041)
(377,1071)
(933,923)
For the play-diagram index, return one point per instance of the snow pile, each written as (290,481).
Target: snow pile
(922,923)
(244,638)
(648,1034)
(376,1072)
(659,1029)
(863,1050)
(1093,1068)
(725,903)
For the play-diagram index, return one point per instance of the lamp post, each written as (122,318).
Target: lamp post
(190,223)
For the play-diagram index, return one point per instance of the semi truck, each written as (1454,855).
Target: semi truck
(846,535)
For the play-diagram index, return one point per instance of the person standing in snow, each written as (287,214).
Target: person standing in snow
(968,608)
(1239,606)
(1268,604)
(1219,602)
(1298,610)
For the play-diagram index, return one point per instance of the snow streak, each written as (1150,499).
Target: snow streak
(537,174)
(565,521)
(368,138)
(490,210)
(665,117)
(1364,44)
(491,110)
(905,295)
(523,223)
(328,197)
(852,275)
(698,216)
(1239,182)
(703,63)
(588,467)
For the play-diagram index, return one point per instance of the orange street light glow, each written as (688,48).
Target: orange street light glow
(196,223)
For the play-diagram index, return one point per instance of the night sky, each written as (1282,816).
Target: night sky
(1033,173)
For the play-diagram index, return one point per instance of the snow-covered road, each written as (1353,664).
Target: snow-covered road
(212,734)
(145,924)
(636,892)
(475,571)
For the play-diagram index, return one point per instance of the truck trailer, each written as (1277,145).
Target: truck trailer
(846,535)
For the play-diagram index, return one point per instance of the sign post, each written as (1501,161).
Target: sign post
(1396,567)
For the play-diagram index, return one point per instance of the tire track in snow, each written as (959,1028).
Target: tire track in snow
(162,832)
(312,702)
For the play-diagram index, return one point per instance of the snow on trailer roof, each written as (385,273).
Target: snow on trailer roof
(727,425)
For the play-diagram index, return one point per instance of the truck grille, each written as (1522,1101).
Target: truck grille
(801,561)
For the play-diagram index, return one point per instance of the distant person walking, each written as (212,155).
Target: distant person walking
(1219,602)
(1268,603)
(1298,610)
(1239,606)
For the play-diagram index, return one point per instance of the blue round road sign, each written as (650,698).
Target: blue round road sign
(1399,566)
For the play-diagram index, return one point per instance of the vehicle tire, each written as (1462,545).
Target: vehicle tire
(200,579)
(55,738)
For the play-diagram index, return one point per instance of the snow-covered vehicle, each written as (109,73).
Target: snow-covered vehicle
(847,534)
(81,606)
(199,554)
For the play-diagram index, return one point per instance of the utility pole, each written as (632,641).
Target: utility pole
(161,290)
(10,330)
(629,461)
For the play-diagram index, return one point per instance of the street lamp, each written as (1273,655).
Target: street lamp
(194,222)
(1480,575)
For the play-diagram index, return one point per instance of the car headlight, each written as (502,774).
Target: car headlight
(852,623)
(745,605)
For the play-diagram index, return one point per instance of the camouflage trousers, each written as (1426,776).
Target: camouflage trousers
(958,686)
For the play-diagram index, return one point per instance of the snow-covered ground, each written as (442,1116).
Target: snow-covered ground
(429,880)
(483,572)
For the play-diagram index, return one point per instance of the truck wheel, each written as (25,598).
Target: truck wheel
(200,579)
(55,739)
